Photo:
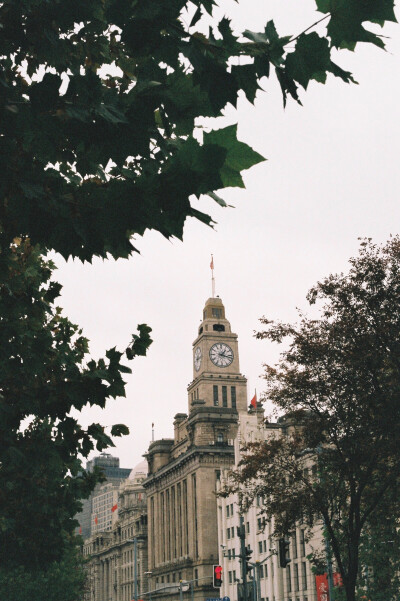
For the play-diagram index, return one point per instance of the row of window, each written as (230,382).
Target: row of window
(224,396)
(175,577)
(299,577)
(229,510)
(230,532)
(293,551)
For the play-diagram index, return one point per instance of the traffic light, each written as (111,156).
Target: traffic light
(248,554)
(284,557)
(217,576)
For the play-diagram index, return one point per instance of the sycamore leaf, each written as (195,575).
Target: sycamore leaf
(239,156)
(111,113)
(346,25)
(119,430)
(140,343)
(310,57)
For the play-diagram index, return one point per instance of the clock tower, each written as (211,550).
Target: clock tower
(217,381)
(185,471)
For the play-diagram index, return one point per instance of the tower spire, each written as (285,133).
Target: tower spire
(212,277)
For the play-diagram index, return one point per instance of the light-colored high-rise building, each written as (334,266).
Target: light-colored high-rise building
(268,581)
(114,475)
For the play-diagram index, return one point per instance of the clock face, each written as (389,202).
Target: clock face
(221,354)
(197,358)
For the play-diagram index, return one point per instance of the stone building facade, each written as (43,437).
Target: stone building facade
(110,554)
(296,582)
(184,471)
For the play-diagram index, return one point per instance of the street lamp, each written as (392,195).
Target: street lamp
(135,543)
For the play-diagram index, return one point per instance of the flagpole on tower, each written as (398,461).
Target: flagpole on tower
(212,278)
(152,432)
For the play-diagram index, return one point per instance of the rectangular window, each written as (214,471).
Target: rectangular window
(232,532)
(231,508)
(216,313)
(304,575)
(260,546)
(266,570)
(233,396)
(247,527)
(227,511)
(296,577)
(196,574)
(228,533)
(230,577)
(289,579)
(233,553)
(215,392)
(259,523)
(229,553)
(294,545)
(302,544)
(234,575)
(265,546)
(224,396)
(261,568)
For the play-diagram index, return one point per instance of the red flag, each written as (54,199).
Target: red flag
(114,507)
(80,529)
(212,262)
(96,521)
(321,582)
(253,402)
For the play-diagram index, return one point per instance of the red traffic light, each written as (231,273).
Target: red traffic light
(217,576)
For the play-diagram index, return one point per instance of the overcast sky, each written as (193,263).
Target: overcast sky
(332,176)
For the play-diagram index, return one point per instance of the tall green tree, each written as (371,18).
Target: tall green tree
(45,374)
(62,580)
(339,382)
(99,102)
(380,552)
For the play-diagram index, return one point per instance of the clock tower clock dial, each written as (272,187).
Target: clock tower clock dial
(221,354)
(197,358)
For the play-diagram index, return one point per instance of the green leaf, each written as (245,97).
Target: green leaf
(119,430)
(111,113)
(218,199)
(239,155)
(310,57)
(140,343)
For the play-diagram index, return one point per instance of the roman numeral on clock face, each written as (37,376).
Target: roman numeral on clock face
(221,354)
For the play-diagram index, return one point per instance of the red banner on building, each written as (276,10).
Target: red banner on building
(321,582)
